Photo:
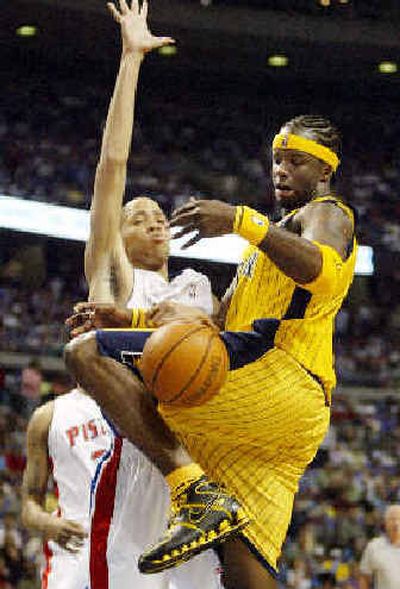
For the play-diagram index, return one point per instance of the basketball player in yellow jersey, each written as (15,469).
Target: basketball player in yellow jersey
(263,428)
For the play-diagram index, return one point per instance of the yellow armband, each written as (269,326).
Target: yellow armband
(328,279)
(250,225)
(138,318)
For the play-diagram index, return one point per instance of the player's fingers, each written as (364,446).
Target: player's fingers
(75,541)
(158,313)
(75,529)
(72,547)
(123,5)
(78,534)
(162,41)
(83,306)
(184,231)
(145,9)
(87,326)
(189,206)
(192,241)
(75,322)
(80,319)
(71,321)
(135,6)
(114,12)
(184,219)
(151,311)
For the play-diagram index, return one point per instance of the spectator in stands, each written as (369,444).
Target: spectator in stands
(31,381)
(380,563)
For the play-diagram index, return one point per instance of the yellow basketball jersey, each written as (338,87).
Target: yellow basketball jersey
(306,321)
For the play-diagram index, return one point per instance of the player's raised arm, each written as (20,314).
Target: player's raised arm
(68,534)
(293,251)
(105,254)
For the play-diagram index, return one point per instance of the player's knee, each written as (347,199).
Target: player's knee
(80,353)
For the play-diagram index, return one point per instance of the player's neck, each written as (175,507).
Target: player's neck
(298,204)
(162,271)
(80,389)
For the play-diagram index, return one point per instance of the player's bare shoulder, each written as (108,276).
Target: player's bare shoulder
(329,222)
(40,421)
(327,211)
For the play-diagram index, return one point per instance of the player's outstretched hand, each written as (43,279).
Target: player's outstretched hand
(209,218)
(135,33)
(170,312)
(68,534)
(89,316)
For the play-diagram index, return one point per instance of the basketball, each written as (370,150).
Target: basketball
(184,364)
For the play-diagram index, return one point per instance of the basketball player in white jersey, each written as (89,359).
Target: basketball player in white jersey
(65,439)
(126,262)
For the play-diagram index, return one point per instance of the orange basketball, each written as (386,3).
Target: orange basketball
(184,364)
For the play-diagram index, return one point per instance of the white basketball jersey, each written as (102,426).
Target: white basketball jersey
(135,489)
(78,437)
(188,288)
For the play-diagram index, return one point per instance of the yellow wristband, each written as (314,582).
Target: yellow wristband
(250,225)
(138,318)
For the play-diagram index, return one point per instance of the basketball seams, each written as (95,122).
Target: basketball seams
(196,372)
(171,350)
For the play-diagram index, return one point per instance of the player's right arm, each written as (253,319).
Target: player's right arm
(104,252)
(105,255)
(66,533)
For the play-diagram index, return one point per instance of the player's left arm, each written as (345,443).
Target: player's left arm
(67,533)
(301,254)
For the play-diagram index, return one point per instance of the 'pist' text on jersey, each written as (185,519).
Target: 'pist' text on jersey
(88,431)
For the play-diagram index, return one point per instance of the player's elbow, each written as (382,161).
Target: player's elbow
(79,355)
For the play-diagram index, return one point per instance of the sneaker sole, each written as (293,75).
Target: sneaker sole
(151,568)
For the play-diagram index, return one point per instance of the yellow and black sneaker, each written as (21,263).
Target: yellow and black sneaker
(203,515)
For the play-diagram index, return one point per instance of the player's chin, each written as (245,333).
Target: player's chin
(290,199)
(157,260)
(161,250)
(285,197)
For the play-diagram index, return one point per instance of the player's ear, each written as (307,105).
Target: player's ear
(326,173)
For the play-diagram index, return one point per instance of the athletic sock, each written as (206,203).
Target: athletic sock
(183,476)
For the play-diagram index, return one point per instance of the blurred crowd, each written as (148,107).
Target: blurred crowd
(20,392)
(339,507)
(347,10)
(33,322)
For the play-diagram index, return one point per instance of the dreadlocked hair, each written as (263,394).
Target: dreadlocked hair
(323,131)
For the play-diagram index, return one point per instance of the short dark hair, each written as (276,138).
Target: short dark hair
(321,128)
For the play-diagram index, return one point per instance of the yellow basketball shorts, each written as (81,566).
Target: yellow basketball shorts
(257,436)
